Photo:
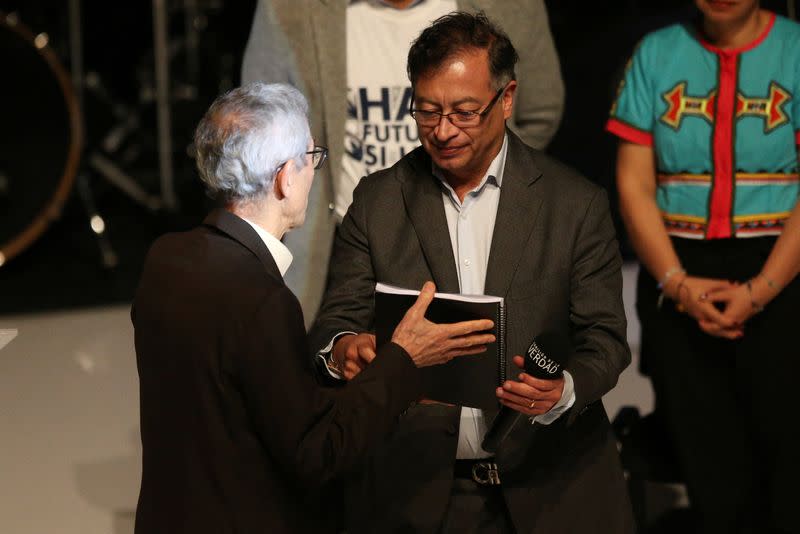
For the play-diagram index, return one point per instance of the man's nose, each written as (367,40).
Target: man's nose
(445,129)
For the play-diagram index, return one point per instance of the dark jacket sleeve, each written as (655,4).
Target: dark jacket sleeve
(596,310)
(316,432)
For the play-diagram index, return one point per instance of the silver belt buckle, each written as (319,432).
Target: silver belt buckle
(486,474)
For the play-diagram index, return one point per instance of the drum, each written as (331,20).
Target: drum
(40,137)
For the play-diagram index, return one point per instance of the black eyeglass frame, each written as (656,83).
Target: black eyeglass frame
(315,152)
(321,152)
(480,114)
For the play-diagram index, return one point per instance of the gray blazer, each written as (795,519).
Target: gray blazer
(555,259)
(302,42)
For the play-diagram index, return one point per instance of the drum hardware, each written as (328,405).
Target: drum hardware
(39,145)
(112,173)
(117,139)
(96,222)
(128,119)
(193,22)
(127,122)
(99,163)
(47,141)
(160,18)
(102,165)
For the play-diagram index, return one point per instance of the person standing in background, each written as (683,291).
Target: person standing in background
(349,57)
(708,116)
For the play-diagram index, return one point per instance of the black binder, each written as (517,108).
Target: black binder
(465,380)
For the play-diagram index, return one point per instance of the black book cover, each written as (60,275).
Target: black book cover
(465,380)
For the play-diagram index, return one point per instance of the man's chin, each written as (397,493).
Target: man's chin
(449,163)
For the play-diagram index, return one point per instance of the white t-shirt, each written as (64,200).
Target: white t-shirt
(379,130)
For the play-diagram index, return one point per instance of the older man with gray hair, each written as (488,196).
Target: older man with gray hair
(236,434)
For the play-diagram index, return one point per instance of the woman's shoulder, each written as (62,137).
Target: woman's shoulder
(787,29)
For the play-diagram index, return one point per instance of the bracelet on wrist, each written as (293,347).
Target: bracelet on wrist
(672,271)
(333,365)
(756,306)
(770,283)
(678,304)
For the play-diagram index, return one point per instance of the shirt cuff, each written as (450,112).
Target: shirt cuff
(325,353)
(564,403)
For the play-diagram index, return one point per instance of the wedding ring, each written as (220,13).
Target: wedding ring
(532,404)
(702,297)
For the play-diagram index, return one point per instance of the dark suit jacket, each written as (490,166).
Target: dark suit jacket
(554,258)
(236,433)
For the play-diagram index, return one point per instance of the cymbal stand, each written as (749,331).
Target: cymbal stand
(100,163)
(96,221)
(160,47)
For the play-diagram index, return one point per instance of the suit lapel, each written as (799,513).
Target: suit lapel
(516,217)
(238,229)
(423,199)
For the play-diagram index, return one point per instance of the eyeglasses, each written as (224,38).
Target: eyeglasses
(459,119)
(318,156)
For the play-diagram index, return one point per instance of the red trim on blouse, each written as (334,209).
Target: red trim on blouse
(721,202)
(720,206)
(797,137)
(634,135)
(745,48)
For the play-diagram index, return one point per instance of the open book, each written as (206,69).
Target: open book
(465,380)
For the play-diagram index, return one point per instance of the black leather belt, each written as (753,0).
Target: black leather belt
(483,471)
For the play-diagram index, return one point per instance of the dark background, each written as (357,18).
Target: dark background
(63,268)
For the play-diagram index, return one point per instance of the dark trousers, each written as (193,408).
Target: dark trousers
(728,404)
(476,509)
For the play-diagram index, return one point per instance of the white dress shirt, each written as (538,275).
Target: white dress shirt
(281,254)
(471,226)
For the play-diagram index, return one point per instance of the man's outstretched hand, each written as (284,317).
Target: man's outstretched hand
(427,343)
(432,344)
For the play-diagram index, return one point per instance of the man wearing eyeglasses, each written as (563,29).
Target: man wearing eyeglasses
(237,437)
(349,57)
(480,212)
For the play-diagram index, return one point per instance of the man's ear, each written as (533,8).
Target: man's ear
(508,99)
(284,179)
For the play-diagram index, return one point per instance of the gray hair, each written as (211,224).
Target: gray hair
(247,135)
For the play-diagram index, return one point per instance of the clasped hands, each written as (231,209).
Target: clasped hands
(720,307)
